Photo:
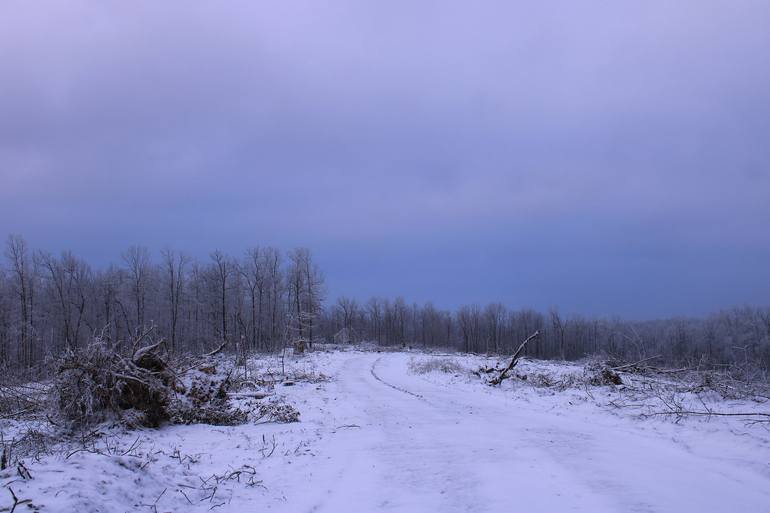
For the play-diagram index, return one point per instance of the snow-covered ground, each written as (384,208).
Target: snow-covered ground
(411,432)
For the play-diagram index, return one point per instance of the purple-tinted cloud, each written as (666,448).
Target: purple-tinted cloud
(585,154)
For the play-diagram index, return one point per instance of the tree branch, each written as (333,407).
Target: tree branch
(514,360)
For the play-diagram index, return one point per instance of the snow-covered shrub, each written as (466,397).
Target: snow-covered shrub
(222,416)
(604,377)
(598,371)
(276,411)
(204,399)
(539,379)
(445,365)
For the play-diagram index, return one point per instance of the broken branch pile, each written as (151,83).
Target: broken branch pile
(147,388)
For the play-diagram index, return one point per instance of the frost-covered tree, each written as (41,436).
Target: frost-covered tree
(49,303)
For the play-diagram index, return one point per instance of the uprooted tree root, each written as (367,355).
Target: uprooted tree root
(97,382)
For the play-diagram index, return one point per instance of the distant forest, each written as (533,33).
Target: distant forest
(265,299)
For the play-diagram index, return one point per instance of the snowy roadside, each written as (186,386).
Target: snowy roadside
(647,405)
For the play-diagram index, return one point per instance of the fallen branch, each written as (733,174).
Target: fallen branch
(16,500)
(138,354)
(218,349)
(671,371)
(138,340)
(634,364)
(514,360)
(247,395)
(708,414)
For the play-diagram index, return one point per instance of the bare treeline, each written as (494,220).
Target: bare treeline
(49,303)
(738,336)
(264,298)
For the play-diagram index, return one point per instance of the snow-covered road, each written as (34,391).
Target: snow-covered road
(378,437)
(406,444)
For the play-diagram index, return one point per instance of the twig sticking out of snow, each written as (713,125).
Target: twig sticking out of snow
(709,413)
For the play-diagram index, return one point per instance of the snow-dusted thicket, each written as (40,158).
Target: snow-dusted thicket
(51,304)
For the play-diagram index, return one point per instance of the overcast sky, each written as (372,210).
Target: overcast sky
(606,157)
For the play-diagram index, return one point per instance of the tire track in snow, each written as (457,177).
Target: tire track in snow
(394,387)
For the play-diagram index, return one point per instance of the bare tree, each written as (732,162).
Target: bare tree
(175,265)
(494,317)
(558,328)
(18,255)
(469,319)
(253,269)
(6,322)
(314,286)
(374,310)
(306,293)
(137,259)
(68,277)
(223,270)
(348,308)
(276,285)
(296,292)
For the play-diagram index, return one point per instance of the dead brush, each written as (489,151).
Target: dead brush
(22,401)
(205,396)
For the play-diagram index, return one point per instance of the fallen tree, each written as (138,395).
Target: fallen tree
(514,360)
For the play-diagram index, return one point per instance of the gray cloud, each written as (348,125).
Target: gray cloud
(586,154)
